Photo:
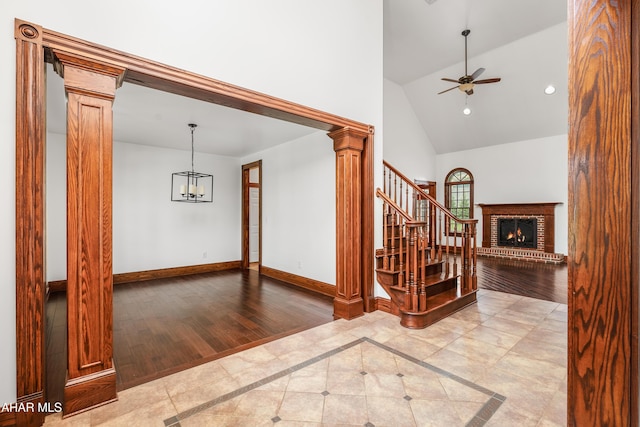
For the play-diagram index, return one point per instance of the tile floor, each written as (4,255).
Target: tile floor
(500,362)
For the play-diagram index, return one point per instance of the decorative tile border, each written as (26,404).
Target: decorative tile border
(482,416)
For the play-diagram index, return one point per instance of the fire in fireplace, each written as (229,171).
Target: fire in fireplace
(518,232)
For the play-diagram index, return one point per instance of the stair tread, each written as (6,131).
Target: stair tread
(429,281)
(385,270)
(439,300)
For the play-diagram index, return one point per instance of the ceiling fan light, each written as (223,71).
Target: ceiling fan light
(465,87)
(550,90)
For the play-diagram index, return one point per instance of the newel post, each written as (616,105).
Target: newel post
(90,87)
(348,145)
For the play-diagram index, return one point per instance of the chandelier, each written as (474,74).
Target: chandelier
(191,186)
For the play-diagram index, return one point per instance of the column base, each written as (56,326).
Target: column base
(348,309)
(90,391)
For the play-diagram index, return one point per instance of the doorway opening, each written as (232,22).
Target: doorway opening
(252,215)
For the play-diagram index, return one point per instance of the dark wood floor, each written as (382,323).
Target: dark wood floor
(531,279)
(168,325)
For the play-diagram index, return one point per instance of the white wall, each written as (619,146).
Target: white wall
(56,207)
(326,55)
(298,207)
(404,134)
(149,231)
(521,172)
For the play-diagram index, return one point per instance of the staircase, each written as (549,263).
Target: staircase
(428,261)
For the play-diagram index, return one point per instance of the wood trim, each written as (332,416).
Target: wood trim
(30,138)
(90,88)
(634,393)
(8,419)
(163,77)
(84,393)
(300,281)
(161,273)
(602,378)
(57,286)
(348,145)
(383,304)
(367,221)
(30,204)
(246,185)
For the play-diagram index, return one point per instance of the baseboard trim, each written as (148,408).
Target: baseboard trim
(28,411)
(89,392)
(8,419)
(383,304)
(303,282)
(162,273)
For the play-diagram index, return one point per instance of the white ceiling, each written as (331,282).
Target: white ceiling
(524,42)
(422,44)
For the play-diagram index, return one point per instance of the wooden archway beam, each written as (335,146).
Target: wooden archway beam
(163,77)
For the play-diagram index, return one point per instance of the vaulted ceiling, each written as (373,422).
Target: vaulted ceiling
(523,42)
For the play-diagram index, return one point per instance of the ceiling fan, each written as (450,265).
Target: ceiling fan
(466,82)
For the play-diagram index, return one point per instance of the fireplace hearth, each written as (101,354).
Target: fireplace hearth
(534,241)
(518,232)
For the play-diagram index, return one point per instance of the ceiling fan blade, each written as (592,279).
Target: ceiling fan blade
(493,80)
(450,80)
(477,73)
(452,88)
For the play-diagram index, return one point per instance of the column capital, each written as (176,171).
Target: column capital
(348,138)
(86,75)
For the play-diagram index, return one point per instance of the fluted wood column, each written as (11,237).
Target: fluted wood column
(348,145)
(30,204)
(90,88)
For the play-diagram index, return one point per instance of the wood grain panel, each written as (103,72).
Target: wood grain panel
(91,378)
(600,264)
(635,215)
(30,203)
(7,419)
(348,145)
(367,223)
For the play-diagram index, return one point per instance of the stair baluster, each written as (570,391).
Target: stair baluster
(418,265)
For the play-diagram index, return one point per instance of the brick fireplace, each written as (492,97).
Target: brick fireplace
(519,231)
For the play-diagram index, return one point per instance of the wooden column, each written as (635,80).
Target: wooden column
(603,224)
(30,203)
(348,145)
(90,88)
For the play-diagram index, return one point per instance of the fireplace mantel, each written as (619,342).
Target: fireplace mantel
(545,211)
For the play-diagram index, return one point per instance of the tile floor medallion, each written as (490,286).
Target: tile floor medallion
(500,362)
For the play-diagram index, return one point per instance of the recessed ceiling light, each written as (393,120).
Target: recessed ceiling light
(550,90)
(466,111)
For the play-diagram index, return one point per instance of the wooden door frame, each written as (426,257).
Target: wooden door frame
(35,46)
(246,185)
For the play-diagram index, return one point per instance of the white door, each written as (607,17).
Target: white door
(254,224)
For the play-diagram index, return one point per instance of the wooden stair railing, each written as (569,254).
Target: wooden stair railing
(426,249)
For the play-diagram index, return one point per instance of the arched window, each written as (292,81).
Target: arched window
(458,195)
